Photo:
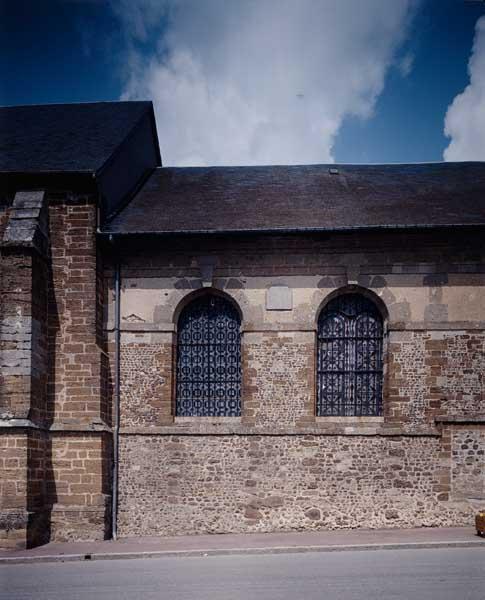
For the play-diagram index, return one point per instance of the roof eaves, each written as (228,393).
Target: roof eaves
(287,230)
(51,172)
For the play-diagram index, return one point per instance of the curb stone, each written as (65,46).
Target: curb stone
(238,551)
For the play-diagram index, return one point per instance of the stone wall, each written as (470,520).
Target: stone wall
(467,478)
(412,275)
(79,485)
(55,473)
(146,379)
(433,367)
(206,484)
(80,454)
(23,377)
(23,318)
(75,380)
(270,397)
(278,466)
(434,374)
(16,333)
(24,512)
(13,490)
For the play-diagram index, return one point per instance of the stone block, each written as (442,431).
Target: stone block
(279,297)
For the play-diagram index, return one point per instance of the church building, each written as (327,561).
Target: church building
(190,350)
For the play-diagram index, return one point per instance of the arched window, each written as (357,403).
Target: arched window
(349,358)
(208,359)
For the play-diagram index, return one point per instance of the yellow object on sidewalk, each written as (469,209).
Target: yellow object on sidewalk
(480,522)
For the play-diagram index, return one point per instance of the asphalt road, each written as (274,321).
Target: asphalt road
(438,574)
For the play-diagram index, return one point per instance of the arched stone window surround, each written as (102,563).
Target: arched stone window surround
(208,364)
(188,298)
(358,377)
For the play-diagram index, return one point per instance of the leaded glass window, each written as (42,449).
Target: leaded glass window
(349,358)
(209,359)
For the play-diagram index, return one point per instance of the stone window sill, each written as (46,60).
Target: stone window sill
(350,425)
(205,420)
(350,420)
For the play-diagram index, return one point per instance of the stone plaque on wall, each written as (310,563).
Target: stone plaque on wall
(279,297)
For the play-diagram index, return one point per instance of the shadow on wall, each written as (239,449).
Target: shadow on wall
(44,485)
(41,485)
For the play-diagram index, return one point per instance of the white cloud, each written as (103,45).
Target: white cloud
(465,118)
(141,17)
(259,81)
(406,64)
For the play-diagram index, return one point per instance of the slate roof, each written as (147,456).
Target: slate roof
(65,138)
(305,198)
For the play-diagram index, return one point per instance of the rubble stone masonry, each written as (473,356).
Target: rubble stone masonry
(278,466)
(241,483)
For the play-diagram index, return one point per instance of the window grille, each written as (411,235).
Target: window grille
(209,359)
(349,358)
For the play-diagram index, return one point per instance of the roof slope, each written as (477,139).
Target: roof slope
(65,137)
(305,198)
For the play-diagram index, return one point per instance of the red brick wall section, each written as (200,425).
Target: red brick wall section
(78,464)
(13,490)
(38,449)
(75,379)
(79,486)
(14,461)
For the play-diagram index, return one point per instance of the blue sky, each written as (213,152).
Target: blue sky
(262,81)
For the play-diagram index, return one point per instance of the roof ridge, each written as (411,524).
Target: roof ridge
(326,165)
(90,103)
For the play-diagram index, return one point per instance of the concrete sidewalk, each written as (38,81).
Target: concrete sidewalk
(254,543)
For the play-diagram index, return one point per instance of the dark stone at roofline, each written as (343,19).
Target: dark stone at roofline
(27,223)
(305,198)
